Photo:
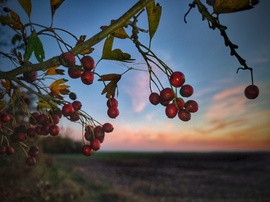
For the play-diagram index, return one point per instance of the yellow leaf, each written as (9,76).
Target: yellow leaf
(54,71)
(27,6)
(57,88)
(43,104)
(55,4)
(17,25)
(110,88)
(154,14)
(7,85)
(229,6)
(119,33)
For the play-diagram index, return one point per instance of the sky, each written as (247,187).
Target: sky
(226,120)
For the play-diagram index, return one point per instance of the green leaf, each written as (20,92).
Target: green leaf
(34,45)
(154,14)
(27,6)
(115,54)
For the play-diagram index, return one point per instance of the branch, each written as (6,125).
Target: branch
(122,21)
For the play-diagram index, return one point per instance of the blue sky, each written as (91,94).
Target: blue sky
(226,120)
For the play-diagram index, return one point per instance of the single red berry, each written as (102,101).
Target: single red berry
(112,102)
(31,132)
(95,144)
(186,90)
(33,117)
(179,102)
(33,151)
(191,106)
(68,59)
(87,150)
(74,73)
(30,76)
(4,118)
(31,161)
(54,130)
(252,91)
(166,94)
(177,79)
(184,115)
(171,110)
(113,112)
(87,77)
(154,98)
(45,129)
(88,62)
(107,127)
(67,110)
(20,136)
(77,105)
(42,119)
(99,133)
(55,119)
(10,150)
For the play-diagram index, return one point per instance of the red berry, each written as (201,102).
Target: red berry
(33,151)
(68,59)
(42,119)
(4,118)
(87,77)
(99,133)
(154,98)
(166,94)
(113,112)
(54,130)
(184,115)
(252,91)
(88,62)
(179,103)
(177,79)
(74,117)
(10,150)
(30,76)
(87,150)
(95,144)
(107,127)
(74,73)
(31,132)
(31,161)
(171,110)
(186,90)
(112,102)
(20,136)
(67,109)
(191,106)
(55,119)
(89,133)
(33,117)
(77,105)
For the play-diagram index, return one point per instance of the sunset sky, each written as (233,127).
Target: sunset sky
(226,120)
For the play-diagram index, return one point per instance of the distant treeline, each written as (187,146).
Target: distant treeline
(60,144)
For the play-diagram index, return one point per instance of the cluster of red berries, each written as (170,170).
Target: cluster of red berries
(113,110)
(95,136)
(86,74)
(175,105)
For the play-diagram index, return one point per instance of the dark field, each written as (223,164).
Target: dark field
(183,177)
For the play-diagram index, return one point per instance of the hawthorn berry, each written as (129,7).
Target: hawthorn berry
(67,110)
(9,150)
(113,112)
(77,105)
(177,79)
(166,94)
(99,133)
(30,76)
(95,144)
(31,161)
(252,91)
(88,62)
(87,150)
(179,102)
(4,118)
(154,98)
(112,102)
(68,59)
(54,130)
(107,127)
(171,110)
(191,106)
(33,151)
(42,119)
(87,77)
(74,73)
(184,115)
(31,132)
(186,90)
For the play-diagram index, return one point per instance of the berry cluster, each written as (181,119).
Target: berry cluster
(113,110)
(173,104)
(95,136)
